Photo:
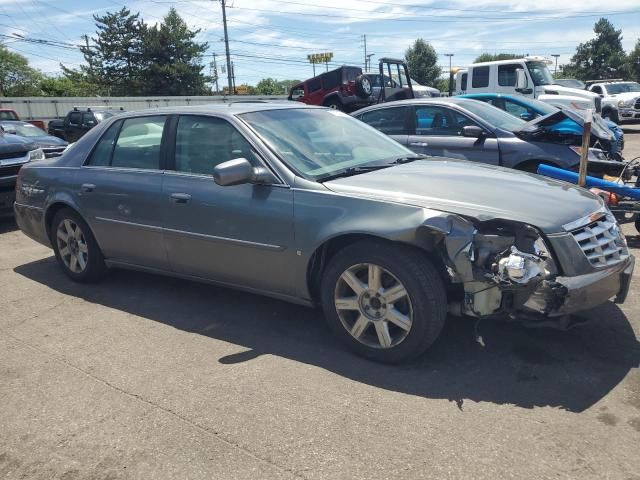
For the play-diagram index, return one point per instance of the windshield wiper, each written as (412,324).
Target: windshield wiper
(351,171)
(408,158)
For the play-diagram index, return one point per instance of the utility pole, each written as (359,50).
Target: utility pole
(556,55)
(450,73)
(215,72)
(233,78)
(366,59)
(226,46)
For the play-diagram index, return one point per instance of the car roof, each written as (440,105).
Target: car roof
(232,108)
(418,101)
(19,122)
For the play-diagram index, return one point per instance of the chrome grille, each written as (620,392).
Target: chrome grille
(637,104)
(602,242)
(53,151)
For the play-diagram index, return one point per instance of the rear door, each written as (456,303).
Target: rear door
(119,191)
(397,122)
(438,131)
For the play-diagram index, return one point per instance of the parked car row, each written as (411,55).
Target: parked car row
(316,207)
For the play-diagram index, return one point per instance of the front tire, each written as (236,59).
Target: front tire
(386,302)
(335,104)
(75,247)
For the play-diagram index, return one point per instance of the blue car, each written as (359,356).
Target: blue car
(528,109)
(50,145)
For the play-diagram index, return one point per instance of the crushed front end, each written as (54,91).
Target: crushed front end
(509,268)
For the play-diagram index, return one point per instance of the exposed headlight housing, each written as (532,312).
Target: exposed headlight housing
(594,153)
(36,154)
(625,103)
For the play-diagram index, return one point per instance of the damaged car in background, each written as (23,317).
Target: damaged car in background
(309,205)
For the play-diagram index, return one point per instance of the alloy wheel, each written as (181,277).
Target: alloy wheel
(72,246)
(373,305)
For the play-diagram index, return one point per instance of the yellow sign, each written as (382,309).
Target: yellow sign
(320,57)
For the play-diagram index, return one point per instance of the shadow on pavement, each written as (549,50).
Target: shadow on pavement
(7,224)
(526,367)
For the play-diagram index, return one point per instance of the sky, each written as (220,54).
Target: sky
(272,38)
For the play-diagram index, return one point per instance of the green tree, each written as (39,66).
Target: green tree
(601,57)
(114,56)
(64,86)
(442,84)
(632,66)
(17,78)
(492,57)
(172,59)
(422,61)
(267,86)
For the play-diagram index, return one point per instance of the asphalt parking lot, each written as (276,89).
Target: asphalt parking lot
(145,377)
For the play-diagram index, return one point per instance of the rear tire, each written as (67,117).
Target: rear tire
(386,302)
(335,104)
(531,166)
(75,247)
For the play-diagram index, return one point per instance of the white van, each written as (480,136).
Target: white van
(529,76)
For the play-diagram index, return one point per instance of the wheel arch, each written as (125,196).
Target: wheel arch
(530,165)
(323,254)
(332,96)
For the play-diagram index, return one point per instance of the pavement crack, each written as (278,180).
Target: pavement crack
(211,432)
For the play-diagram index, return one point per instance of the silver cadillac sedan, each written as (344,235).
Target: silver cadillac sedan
(312,206)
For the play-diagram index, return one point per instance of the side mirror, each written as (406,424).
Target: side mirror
(522,83)
(526,116)
(239,171)
(472,131)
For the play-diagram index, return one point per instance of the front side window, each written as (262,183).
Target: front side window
(319,143)
(392,121)
(138,144)
(204,142)
(597,89)
(480,77)
(87,119)
(436,120)
(507,74)
(518,110)
(492,115)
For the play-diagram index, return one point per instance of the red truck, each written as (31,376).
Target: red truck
(8,114)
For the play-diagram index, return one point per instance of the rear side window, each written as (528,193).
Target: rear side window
(101,155)
(297,91)
(507,75)
(87,118)
(480,77)
(314,85)
(463,82)
(138,144)
(75,117)
(331,79)
(392,121)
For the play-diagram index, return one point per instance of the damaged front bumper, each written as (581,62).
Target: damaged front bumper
(565,295)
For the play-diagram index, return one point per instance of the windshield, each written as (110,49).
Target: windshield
(492,115)
(23,129)
(320,143)
(616,88)
(541,108)
(570,83)
(540,73)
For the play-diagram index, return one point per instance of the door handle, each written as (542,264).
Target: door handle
(87,187)
(419,144)
(181,197)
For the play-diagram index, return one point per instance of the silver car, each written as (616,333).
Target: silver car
(312,206)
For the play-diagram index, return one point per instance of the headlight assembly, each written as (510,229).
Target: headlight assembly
(36,154)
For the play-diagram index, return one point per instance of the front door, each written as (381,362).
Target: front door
(438,131)
(238,234)
(119,192)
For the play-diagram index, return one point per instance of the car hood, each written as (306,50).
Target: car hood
(625,95)
(48,141)
(561,90)
(12,143)
(482,192)
(568,120)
